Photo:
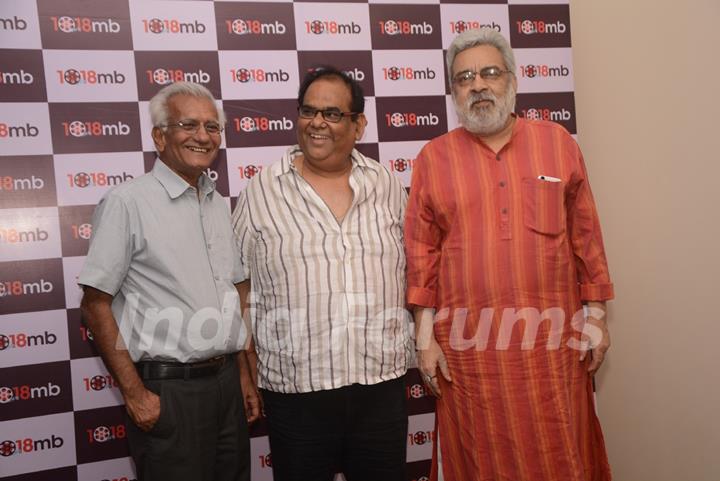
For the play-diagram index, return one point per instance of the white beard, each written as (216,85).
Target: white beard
(490,119)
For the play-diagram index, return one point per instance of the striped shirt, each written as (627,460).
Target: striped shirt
(327,296)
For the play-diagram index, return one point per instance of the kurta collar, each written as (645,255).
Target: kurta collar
(518,127)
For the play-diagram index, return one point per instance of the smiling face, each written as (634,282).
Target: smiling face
(483,106)
(327,145)
(187,154)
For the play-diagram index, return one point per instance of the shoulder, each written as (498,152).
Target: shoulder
(548,128)
(443,145)
(264,176)
(384,175)
(130,189)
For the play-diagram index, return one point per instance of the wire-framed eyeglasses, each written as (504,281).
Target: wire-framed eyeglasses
(192,126)
(467,77)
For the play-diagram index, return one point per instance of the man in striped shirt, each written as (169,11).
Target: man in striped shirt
(503,248)
(320,235)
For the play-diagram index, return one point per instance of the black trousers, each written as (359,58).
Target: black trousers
(201,434)
(358,430)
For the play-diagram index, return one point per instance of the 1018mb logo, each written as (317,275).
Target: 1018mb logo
(103,434)
(20,77)
(18,131)
(95,179)
(247,75)
(26,392)
(21,288)
(94,128)
(9,183)
(163,76)
(246,26)
(30,445)
(411,119)
(534,27)
(404,27)
(21,340)
(262,124)
(67,24)
(331,27)
(172,26)
(73,76)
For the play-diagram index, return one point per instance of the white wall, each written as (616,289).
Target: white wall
(647,79)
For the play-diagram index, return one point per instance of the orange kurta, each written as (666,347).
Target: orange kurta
(496,249)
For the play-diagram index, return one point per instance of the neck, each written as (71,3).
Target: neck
(496,141)
(191,179)
(328,172)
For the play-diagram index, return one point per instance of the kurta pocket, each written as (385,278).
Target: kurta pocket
(544,206)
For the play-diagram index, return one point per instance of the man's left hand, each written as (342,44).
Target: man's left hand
(252,402)
(595,336)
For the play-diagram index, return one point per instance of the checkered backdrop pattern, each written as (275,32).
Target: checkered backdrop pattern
(75,80)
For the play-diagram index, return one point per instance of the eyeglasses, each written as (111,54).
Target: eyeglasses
(331,115)
(192,126)
(467,77)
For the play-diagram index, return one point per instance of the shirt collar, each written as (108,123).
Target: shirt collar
(286,165)
(175,185)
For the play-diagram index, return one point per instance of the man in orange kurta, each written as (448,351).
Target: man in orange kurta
(503,249)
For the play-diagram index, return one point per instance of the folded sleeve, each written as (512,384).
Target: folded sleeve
(586,237)
(110,252)
(422,239)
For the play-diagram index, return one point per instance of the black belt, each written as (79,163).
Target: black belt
(181,370)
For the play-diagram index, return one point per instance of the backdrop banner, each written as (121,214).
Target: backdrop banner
(75,80)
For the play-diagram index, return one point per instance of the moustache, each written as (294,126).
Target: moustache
(483,95)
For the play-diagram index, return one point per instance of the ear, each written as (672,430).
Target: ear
(360,125)
(158,137)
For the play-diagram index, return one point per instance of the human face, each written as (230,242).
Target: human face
(484,106)
(327,145)
(188,155)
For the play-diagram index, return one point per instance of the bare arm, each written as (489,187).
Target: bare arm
(142,405)
(429,353)
(247,359)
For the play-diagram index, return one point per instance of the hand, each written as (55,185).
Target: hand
(428,361)
(251,401)
(596,338)
(143,408)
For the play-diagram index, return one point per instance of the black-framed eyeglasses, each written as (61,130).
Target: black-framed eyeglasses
(331,115)
(192,126)
(467,77)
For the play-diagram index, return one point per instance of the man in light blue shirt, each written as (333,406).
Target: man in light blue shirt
(160,299)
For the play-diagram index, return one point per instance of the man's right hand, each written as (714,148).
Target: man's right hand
(429,360)
(143,408)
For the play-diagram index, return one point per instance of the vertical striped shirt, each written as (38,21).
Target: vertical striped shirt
(327,296)
(492,237)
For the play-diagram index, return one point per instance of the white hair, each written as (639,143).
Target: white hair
(476,37)
(159,103)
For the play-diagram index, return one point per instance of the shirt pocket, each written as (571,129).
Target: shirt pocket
(544,206)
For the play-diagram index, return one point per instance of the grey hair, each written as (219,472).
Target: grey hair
(476,37)
(159,103)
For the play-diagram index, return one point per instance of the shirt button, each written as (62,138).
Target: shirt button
(497,157)
(217,278)
(502,183)
(209,246)
(504,210)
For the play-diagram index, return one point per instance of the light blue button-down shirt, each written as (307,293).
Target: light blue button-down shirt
(167,255)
